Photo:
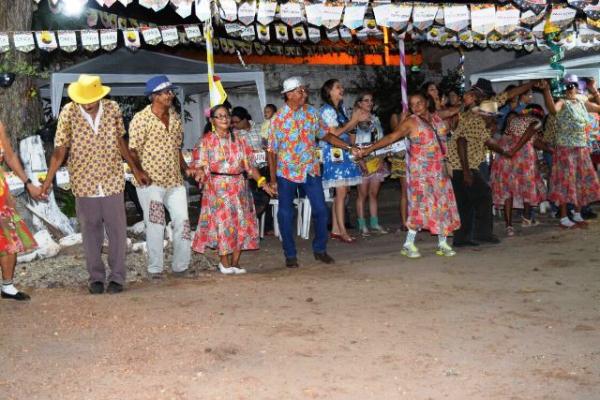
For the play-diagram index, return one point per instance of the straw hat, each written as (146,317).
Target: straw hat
(88,89)
(487,108)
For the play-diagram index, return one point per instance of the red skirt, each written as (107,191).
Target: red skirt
(573,177)
(15,237)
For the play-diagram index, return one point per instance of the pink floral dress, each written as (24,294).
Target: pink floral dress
(518,177)
(431,201)
(227,218)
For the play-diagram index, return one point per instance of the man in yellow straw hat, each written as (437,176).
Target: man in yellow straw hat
(90,129)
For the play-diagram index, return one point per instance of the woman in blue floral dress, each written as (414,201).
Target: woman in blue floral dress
(339,169)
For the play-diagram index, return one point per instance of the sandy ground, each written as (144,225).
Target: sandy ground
(518,320)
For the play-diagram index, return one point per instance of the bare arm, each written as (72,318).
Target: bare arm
(133,160)
(592,107)
(272,161)
(519,90)
(548,100)
(494,146)
(402,131)
(448,112)
(58,157)
(531,130)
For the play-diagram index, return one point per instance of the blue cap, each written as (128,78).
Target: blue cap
(156,84)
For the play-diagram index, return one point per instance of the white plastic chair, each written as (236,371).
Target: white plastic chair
(307,214)
(299,203)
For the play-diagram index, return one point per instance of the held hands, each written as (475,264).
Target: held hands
(591,85)
(272,188)
(357,152)
(36,192)
(199,175)
(541,84)
(360,115)
(142,177)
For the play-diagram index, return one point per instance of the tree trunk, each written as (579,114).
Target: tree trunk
(20,106)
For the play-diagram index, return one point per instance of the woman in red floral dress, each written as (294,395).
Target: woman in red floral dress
(227,218)
(14,236)
(431,201)
(517,181)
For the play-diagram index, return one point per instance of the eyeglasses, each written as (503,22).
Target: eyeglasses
(222,116)
(571,85)
(301,89)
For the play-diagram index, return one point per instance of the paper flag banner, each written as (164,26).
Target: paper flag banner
(24,41)
(507,19)
(108,20)
(131,38)
(155,5)
(333,35)
(345,34)
(259,48)
(291,13)
(46,40)
(126,2)
(193,33)
(330,16)
(67,40)
(281,32)
(314,13)
(108,39)
(456,17)
(247,12)
(592,11)
(299,34)
(399,16)
(354,15)
(170,36)
(536,6)
(151,36)
(4,43)
(234,29)
(266,12)
(228,10)
(483,18)
(562,16)
(423,15)
(531,18)
(203,10)
(314,34)
(248,33)
(183,7)
(90,40)
(439,16)
(263,33)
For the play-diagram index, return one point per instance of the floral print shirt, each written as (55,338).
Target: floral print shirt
(572,120)
(292,137)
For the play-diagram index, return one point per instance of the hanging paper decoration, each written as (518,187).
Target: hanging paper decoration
(46,40)
(465,38)
(507,19)
(585,38)
(234,29)
(216,92)
(439,16)
(551,32)
(456,17)
(107,3)
(155,5)
(228,10)
(592,12)
(314,34)
(531,18)
(263,33)
(299,34)
(4,43)
(580,4)
(131,37)
(259,48)
(151,36)
(248,33)
(193,33)
(183,7)
(247,12)
(345,34)
(281,32)
(90,40)
(399,16)
(354,15)
(125,2)
(331,15)
(108,39)
(266,11)
(108,20)
(122,23)
(314,13)
(535,6)
(480,40)
(170,36)
(562,16)
(203,12)
(67,40)
(291,13)
(483,18)
(423,15)
(333,35)
(91,18)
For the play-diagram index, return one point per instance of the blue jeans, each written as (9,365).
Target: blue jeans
(286,192)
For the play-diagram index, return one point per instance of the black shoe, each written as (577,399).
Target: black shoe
(96,287)
(19,296)
(464,244)
(492,239)
(114,287)
(291,262)
(324,257)
(186,273)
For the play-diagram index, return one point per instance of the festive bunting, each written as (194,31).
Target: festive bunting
(202,8)
(291,13)
(170,37)
(151,36)
(354,15)
(67,40)
(131,37)
(193,33)
(108,39)
(247,12)
(24,41)
(46,40)
(331,15)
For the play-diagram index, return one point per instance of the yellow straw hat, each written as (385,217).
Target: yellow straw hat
(88,89)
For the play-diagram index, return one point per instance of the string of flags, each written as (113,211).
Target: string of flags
(295,27)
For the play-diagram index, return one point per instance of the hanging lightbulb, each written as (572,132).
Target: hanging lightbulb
(73,8)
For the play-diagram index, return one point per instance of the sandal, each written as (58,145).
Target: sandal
(510,231)
(347,238)
(526,223)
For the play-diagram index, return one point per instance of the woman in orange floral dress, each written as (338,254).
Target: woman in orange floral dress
(431,201)
(14,236)
(227,218)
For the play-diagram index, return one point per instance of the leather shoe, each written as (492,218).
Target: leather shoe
(96,288)
(324,257)
(114,287)
(465,243)
(492,239)
(291,262)
(19,296)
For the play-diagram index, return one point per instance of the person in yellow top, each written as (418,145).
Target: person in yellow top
(90,131)
(155,140)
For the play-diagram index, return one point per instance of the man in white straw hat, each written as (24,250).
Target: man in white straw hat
(90,130)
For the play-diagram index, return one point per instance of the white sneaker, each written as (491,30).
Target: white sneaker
(410,251)
(445,250)
(379,229)
(226,270)
(238,270)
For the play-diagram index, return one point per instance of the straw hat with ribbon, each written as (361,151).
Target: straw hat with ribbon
(88,89)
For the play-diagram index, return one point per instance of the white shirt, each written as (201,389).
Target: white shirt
(95,124)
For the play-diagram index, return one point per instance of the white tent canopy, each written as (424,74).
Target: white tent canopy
(126,72)
(537,66)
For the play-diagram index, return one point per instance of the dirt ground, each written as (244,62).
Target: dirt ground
(519,320)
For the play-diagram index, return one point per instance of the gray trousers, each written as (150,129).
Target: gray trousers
(96,214)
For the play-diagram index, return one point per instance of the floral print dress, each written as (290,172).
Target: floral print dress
(227,218)
(518,177)
(431,201)
(15,237)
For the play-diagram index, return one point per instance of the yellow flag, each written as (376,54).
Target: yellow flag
(216,91)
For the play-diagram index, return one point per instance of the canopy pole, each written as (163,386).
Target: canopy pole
(403,81)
